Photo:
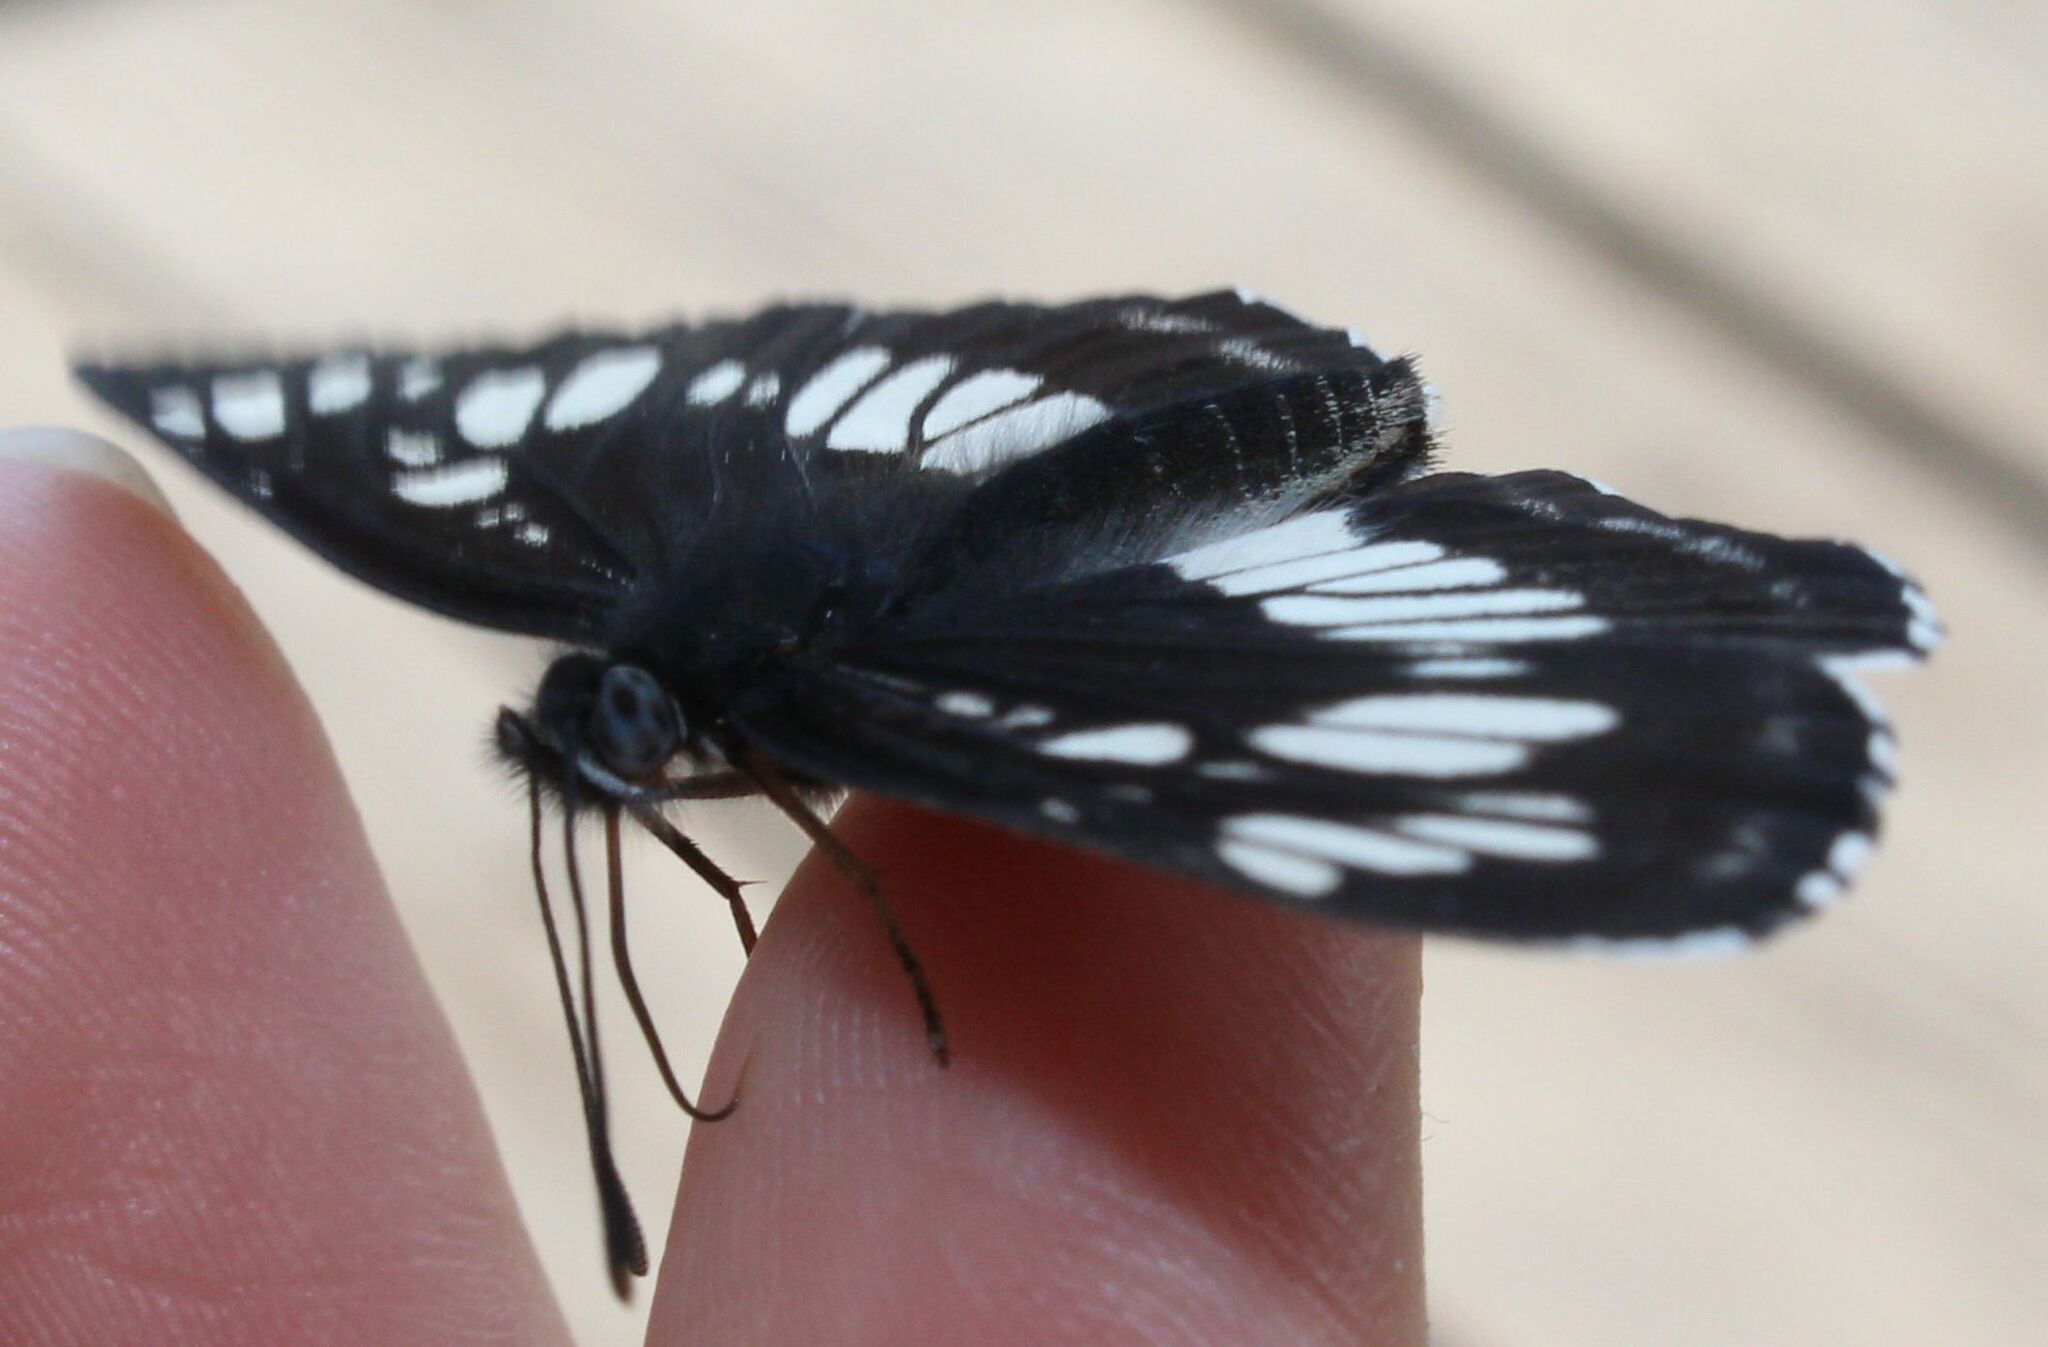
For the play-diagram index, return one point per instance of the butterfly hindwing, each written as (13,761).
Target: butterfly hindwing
(1514,706)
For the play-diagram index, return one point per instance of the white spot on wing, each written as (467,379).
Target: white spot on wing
(1149,744)
(1467,668)
(176,411)
(1538,805)
(496,406)
(1389,754)
(1821,887)
(763,389)
(1023,429)
(1716,943)
(1454,573)
(338,383)
(975,397)
(1375,561)
(825,392)
(971,704)
(602,385)
(1924,632)
(1059,811)
(1818,888)
(412,448)
(1309,535)
(715,384)
(879,422)
(1497,837)
(1440,735)
(462,483)
(1026,717)
(1322,610)
(418,377)
(1283,870)
(249,406)
(1843,671)
(1868,661)
(1346,844)
(1849,853)
(1481,630)
(1536,719)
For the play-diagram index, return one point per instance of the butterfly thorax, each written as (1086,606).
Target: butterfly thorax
(770,584)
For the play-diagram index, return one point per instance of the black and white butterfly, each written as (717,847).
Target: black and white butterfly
(1170,580)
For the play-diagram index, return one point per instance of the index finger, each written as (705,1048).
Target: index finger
(1173,1115)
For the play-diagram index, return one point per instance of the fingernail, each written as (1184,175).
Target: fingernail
(76,451)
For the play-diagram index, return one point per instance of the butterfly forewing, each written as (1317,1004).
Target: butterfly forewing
(527,487)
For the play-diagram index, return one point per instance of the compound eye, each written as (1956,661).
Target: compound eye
(633,724)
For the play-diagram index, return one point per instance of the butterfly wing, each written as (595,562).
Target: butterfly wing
(528,488)
(358,455)
(1514,706)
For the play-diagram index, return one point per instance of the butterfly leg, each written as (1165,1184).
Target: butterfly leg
(723,884)
(622,960)
(778,789)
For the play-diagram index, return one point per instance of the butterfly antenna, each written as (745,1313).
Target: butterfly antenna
(623,960)
(785,798)
(625,1246)
(723,884)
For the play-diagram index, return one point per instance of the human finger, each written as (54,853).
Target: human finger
(1174,1115)
(232,1112)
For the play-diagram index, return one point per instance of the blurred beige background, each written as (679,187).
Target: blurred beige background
(1784,264)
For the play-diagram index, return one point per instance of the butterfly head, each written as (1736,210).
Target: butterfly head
(598,728)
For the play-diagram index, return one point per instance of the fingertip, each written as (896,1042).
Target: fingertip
(61,449)
(1173,1114)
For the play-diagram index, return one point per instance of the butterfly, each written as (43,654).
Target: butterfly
(1172,580)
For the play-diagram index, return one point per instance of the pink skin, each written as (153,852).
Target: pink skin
(230,1112)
